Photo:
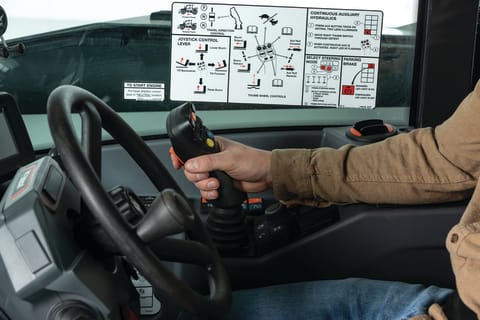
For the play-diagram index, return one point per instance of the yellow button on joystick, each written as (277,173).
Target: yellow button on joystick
(210,142)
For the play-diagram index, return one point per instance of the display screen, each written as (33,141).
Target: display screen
(8,147)
(15,145)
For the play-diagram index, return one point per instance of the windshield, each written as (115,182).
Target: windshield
(134,57)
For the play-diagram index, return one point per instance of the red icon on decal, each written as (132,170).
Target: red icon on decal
(348,90)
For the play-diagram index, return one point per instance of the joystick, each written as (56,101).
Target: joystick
(191,138)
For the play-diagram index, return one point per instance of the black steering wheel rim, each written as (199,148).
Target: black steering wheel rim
(82,163)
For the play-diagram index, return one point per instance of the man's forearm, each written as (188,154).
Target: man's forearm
(423,166)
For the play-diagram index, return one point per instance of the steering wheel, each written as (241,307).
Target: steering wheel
(82,163)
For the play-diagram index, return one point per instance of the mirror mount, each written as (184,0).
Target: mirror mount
(5,49)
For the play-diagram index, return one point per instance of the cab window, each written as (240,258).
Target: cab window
(343,63)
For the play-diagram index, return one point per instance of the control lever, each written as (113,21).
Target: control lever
(190,138)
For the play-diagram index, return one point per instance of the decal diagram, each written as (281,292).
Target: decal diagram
(275,55)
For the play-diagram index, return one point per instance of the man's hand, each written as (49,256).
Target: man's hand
(249,167)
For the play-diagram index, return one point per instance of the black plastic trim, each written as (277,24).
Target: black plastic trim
(446,63)
(9,166)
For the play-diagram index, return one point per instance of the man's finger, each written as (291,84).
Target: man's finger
(206,163)
(195,177)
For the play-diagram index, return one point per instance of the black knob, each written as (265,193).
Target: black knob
(274,208)
(275,211)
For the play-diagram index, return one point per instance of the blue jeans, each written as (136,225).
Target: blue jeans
(352,298)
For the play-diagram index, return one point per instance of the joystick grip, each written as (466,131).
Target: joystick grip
(190,138)
(228,195)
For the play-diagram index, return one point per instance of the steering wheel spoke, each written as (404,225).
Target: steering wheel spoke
(91,135)
(186,251)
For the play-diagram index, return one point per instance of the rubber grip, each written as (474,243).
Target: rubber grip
(228,195)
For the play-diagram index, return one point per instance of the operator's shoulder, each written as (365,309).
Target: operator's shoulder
(476,90)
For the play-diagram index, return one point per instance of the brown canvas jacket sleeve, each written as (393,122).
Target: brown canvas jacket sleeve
(424,166)
(463,244)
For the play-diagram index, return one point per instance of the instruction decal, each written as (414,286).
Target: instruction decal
(275,55)
(144,91)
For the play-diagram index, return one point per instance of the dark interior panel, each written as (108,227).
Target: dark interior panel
(403,243)
(446,34)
